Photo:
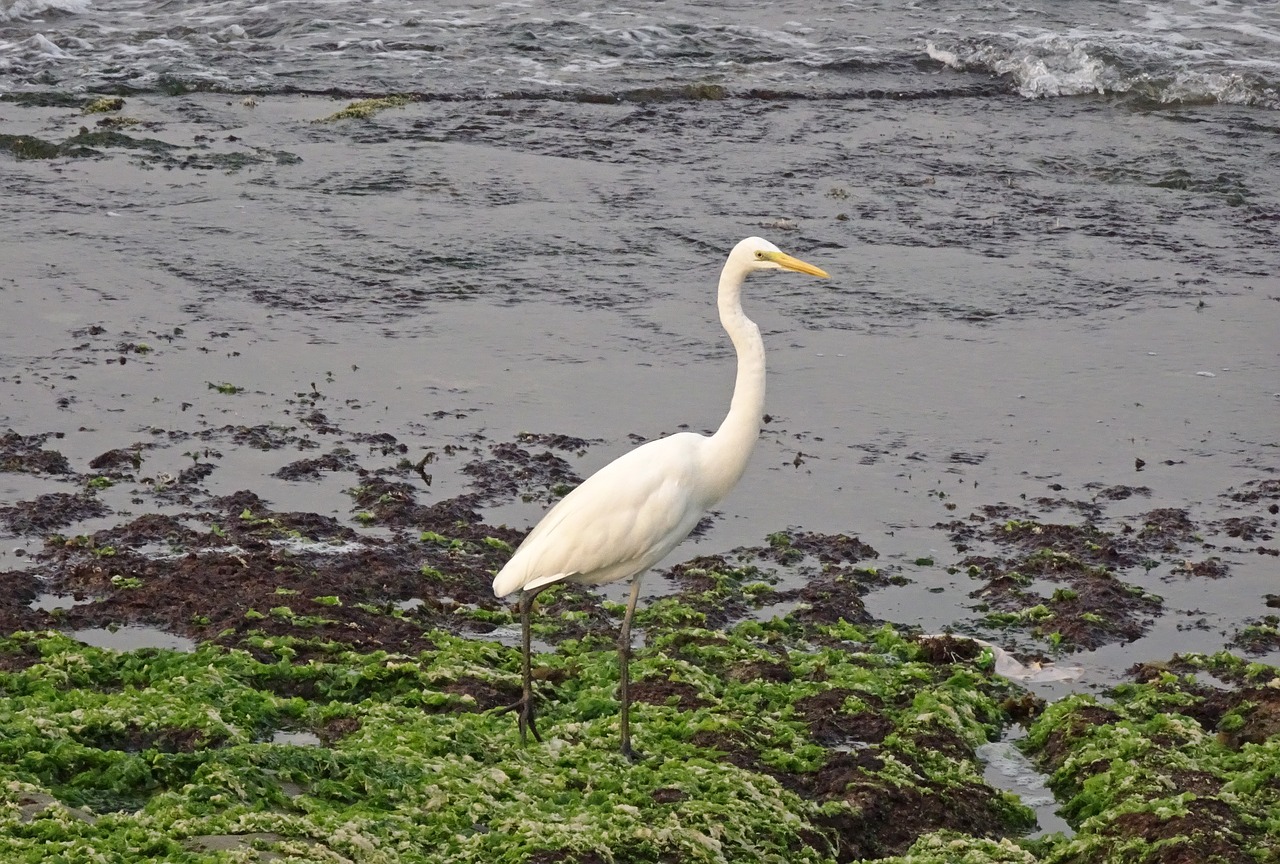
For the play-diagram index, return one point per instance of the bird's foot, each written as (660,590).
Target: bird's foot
(632,755)
(523,707)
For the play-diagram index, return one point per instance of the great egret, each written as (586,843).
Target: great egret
(628,515)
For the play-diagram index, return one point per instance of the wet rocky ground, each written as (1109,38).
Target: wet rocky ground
(779,718)
(253,502)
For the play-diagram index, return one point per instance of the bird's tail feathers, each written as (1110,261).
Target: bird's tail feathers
(515,576)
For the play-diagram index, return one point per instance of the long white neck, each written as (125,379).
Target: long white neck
(729,449)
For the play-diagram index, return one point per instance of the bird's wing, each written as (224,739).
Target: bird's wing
(623,519)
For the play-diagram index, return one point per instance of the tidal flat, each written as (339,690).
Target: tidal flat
(341,693)
(280,395)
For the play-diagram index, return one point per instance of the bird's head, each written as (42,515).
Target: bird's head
(757,254)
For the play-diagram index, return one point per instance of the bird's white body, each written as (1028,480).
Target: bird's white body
(624,519)
(628,515)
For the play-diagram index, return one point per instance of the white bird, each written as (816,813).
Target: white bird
(628,515)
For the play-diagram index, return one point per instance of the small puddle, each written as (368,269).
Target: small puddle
(239,843)
(1006,768)
(131,637)
(319,547)
(509,635)
(50,602)
(296,739)
(781,609)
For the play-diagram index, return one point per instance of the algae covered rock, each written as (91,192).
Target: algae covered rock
(852,745)
(1172,768)
(103,105)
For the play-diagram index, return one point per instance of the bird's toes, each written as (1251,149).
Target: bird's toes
(631,754)
(507,709)
(523,709)
(532,728)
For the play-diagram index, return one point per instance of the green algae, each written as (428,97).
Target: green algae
(160,749)
(365,108)
(103,105)
(148,152)
(44,99)
(1094,608)
(29,147)
(681,93)
(88,143)
(1258,635)
(947,847)
(118,122)
(1170,769)
(792,739)
(766,741)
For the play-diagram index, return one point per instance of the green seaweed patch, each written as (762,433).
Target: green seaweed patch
(1092,609)
(573,612)
(366,108)
(236,160)
(87,143)
(1258,635)
(118,122)
(103,105)
(1229,667)
(1169,769)
(720,591)
(699,92)
(266,526)
(950,847)
(726,589)
(44,99)
(772,750)
(29,147)
(149,151)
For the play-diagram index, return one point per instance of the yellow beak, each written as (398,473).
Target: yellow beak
(786,262)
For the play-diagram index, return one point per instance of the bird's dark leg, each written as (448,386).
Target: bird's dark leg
(526,644)
(624,660)
(524,707)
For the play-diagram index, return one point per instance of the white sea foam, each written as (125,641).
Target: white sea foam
(26,10)
(947,58)
(41,44)
(1169,68)
(1045,67)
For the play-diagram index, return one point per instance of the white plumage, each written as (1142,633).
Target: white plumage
(622,520)
(628,515)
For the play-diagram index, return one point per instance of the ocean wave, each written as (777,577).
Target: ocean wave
(1184,52)
(25,10)
(1050,65)
(1054,70)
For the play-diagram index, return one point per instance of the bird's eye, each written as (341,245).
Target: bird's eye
(759,255)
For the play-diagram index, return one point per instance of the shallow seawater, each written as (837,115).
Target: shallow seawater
(132,637)
(1005,767)
(50,602)
(296,738)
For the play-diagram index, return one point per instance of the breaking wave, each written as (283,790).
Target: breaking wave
(1051,64)
(25,10)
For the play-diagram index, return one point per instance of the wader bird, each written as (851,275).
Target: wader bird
(628,515)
